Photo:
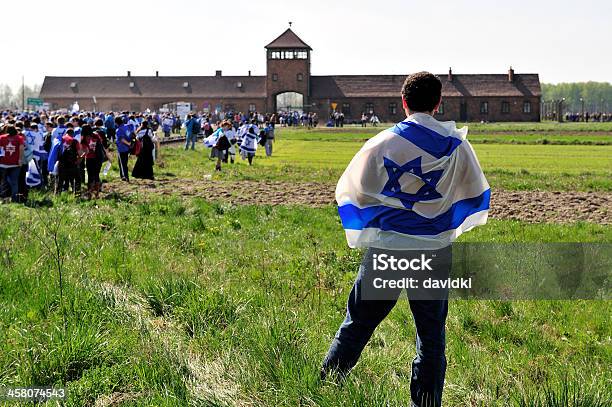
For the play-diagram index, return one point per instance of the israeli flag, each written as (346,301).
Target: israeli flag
(417,185)
(211,140)
(33,178)
(56,148)
(249,143)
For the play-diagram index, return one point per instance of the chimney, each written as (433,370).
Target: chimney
(157,74)
(129,73)
(510,75)
(249,73)
(217,73)
(450,74)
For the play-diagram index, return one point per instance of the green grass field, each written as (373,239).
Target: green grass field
(322,154)
(182,302)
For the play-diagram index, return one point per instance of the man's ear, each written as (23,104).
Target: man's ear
(404,104)
(438,105)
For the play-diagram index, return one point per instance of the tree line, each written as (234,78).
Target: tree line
(13,99)
(597,96)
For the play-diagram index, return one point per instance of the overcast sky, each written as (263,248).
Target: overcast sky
(563,41)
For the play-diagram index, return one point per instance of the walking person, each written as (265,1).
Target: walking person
(124,142)
(177,125)
(56,148)
(69,161)
(192,129)
(167,123)
(12,152)
(249,144)
(36,137)
(230,152)
(378,213)
(364,120)
(95,155)
(28,155)
(222,144)
(143,168)
(269,131)
(47,143)
(109,123)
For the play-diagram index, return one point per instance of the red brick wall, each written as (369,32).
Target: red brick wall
(323,106)
(287,71)
(452,109)
(381,107)
(140,104)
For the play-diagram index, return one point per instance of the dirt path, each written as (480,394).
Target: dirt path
(528,206)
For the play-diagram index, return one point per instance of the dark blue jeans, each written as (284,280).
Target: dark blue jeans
(10,177)
(362,317)
(191,138)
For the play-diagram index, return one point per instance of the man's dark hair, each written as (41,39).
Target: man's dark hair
(422,91)
(86,130)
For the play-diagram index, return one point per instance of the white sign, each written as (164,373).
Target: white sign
(183,109)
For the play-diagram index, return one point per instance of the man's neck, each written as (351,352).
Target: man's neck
(410,113)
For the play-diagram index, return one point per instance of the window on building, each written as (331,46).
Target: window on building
(300,77)
(274,77)
(484,107)
(393,108)
(369,107)
(229,107)
(527,107)
(346,109)
(252,107)
(505,107)
(289,54)
(135,107)
(441,108)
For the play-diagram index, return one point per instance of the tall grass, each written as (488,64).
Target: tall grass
(185,302)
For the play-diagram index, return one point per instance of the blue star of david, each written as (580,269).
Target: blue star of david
(393,189)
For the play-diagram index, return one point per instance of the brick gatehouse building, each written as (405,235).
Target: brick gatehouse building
(288,85)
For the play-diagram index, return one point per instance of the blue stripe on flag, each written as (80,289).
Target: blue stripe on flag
(426,139)
(409,222)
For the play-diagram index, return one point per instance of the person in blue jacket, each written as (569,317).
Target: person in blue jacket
(109,123)
(192,127)
(124,141)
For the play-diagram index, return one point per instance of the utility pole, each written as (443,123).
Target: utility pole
(22,93)
(560,111)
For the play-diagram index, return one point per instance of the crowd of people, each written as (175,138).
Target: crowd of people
(588,117)
(578,116)
(67,152)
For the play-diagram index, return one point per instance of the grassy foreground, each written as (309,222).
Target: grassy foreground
(183,302)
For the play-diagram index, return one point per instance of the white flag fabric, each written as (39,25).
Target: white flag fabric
(211,140)
(417,185)
(33,175)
